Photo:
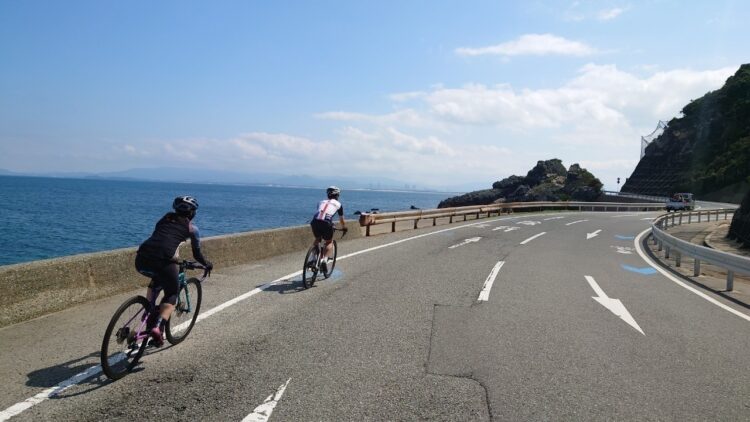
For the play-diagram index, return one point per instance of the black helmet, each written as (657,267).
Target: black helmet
(186,205)
(333,192)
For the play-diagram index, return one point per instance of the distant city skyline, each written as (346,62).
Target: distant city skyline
(423,93)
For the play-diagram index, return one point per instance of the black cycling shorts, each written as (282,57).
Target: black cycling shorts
(322,229)
(164,275)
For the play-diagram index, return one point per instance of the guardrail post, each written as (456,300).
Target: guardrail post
(725,214)
(393,227)
(464,217)
(730,281)
(434,221)
(680,223)
(677,259)
(696,267)
(367,231)
(415,223)
(690,217)
(699,216)
(477,217)
(450,219)
(666,252)
(661,245)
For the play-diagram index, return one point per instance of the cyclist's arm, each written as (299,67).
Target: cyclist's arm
(341,217)
(195,244)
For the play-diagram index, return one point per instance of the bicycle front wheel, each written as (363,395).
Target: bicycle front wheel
(186,311)
(124,338)
(333,261)
(310,267)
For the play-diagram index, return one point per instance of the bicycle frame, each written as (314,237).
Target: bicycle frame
(182,279)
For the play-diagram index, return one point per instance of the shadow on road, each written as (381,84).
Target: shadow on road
(293,285)
(57,375)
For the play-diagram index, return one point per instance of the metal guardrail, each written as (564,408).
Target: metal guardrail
(732,263)
(636,196)
(479,211)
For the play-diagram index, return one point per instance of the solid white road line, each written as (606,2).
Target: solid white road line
(50,392)
(574,222)
(553,218)
(263,412)
(614,305)
(485,293)
(665,273)
(97,370)
(533,237)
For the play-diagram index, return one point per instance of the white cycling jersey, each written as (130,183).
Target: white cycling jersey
(326,209)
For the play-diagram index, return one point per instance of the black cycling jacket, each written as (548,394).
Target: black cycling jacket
(169,232)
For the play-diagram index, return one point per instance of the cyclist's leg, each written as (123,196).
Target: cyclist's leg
(329,248)
(327,235)
(169,280)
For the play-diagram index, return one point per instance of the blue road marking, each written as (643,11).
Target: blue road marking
(335,275)
(621,237)
(644,270)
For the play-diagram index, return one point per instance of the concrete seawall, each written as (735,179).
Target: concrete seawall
(37,288)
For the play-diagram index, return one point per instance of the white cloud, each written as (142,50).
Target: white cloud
(470,133)
(532,44)
(407,117)
(595,118)
(605,15)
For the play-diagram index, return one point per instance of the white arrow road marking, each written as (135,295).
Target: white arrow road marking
(485,293)
(625,250)
(466,242)
(499,228)
(553,218)
(482,226)
(533,237)
(529,223)
(614,305)
(594,234)
(574,222)
(263,412)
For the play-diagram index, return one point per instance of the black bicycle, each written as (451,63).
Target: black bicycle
(312,265)
(127,336)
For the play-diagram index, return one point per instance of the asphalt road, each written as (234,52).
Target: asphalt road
(418,330)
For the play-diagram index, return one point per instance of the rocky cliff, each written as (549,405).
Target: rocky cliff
(547,181)
(740,228)
(706,151)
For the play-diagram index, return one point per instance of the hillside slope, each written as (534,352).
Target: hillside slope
(707,151)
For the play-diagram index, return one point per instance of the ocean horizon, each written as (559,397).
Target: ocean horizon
(49,217)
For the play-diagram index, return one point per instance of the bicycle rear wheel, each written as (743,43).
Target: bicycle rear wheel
(333,261)
(185,312)
(125,338)
(310,267)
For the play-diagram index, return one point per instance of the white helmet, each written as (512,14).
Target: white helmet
(333,192)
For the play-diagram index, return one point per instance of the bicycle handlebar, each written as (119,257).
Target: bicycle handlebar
(344,231)
(194,265)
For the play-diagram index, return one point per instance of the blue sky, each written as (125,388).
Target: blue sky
(431,93)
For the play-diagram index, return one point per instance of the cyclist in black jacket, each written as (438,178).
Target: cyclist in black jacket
(158,258)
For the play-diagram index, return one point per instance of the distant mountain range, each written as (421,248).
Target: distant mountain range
(190,175)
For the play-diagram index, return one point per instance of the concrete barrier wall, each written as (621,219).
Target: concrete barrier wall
(37,288)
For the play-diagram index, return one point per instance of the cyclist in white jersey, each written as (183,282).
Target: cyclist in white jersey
(322,222)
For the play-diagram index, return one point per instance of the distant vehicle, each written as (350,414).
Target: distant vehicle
(681,202)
